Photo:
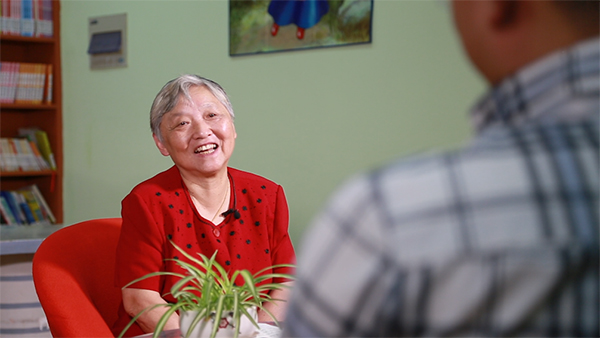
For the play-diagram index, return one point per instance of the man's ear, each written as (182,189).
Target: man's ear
(161,147)
(504,13)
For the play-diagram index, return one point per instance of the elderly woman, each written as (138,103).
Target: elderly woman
(200,204)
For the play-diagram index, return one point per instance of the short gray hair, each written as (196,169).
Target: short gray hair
(168,97)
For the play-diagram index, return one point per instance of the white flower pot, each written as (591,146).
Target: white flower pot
(226,325)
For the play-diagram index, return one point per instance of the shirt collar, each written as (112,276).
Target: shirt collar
(559,86)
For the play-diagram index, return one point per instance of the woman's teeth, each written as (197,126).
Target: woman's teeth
(206,149)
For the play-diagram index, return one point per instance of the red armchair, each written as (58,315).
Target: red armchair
(73,272)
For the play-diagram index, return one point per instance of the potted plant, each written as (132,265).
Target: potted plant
(222,306)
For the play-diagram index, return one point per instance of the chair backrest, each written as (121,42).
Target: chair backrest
(73,272)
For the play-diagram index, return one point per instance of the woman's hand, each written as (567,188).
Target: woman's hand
(136,300)
(277,308)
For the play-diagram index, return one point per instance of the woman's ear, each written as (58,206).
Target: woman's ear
(161,147)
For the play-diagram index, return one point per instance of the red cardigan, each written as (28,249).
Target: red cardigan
(254,235)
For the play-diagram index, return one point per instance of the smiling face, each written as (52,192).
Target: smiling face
(198,135)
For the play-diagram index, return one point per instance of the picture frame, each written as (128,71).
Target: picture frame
(267,26)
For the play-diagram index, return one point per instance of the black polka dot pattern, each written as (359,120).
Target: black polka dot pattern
(239,245)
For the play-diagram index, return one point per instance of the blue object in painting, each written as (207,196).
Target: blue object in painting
(302,13)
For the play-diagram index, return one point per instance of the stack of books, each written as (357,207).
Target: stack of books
(25,206)
(29,152)
(25,83)
(27,18)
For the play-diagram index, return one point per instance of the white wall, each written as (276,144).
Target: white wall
(305,119)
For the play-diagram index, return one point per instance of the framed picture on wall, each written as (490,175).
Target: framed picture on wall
(265,26)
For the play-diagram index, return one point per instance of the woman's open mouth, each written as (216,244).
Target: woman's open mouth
(206,149)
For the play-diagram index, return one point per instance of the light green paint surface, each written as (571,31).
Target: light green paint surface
(306,119)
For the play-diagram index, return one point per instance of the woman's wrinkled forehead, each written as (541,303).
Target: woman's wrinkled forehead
(184,102)
(196,102)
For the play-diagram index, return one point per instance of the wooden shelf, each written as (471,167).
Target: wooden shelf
(26,39)
(27,173)
(48,117)
(26,106)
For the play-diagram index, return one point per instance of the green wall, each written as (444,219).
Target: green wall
(305,119)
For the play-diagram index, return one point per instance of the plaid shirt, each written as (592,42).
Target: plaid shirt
(498,238)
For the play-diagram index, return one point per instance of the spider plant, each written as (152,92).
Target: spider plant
(218,293)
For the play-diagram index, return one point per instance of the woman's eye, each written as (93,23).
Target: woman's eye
(212,114)
(180,124)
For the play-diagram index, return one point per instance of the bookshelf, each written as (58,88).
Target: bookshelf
(46,116)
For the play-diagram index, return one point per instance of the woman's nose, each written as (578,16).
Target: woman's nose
(202,130)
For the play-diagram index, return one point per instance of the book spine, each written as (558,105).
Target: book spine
(6,212)
(34,206)
(24,208)
(4,76)
(43,165)
(47,19)
(30,135)
(15,14)
(27,22)
(6,69)
(22,82)
(28,154)
(41,83)
(28,213)
(48,86)
(8,21)
(14,80)
(12,203)
(3,163)
(37,16)
(5,17)
(10,157)
(22,163)
(43,204)
(45,148)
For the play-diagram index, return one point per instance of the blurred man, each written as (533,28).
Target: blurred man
(499,238)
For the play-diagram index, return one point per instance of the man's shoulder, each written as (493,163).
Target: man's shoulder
(396,177)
